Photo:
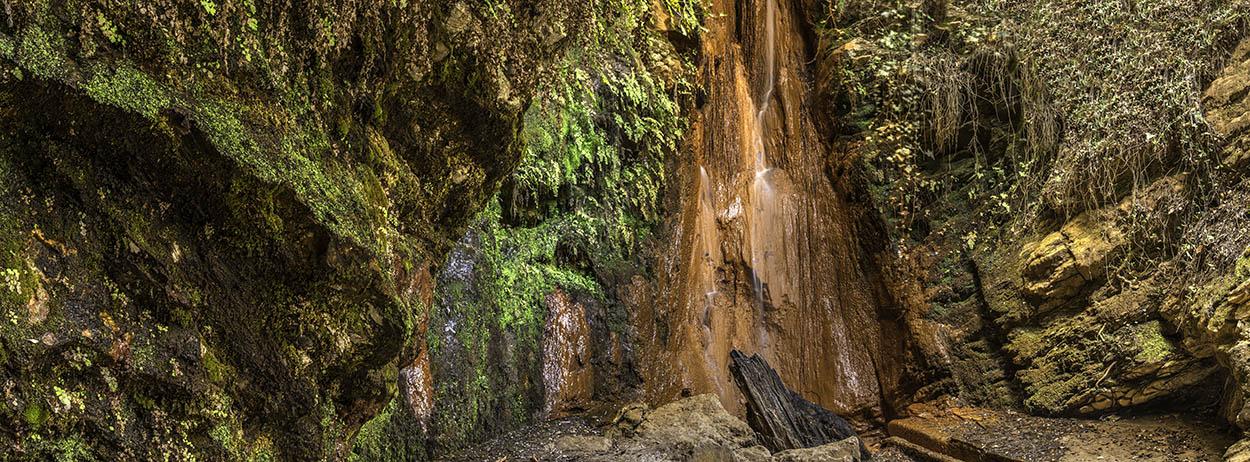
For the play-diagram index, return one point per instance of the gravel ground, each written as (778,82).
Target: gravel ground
(1157,438)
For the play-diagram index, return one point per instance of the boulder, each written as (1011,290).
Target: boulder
(695,428)
(1061,266)
(1238,452)
(783,419)
(847,450)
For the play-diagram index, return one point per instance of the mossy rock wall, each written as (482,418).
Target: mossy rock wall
(576,219)
(1060,194)
(219,217)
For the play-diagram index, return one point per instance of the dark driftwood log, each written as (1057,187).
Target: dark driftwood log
(784,419)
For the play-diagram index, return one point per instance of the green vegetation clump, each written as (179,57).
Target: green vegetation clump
(984,125)
(575,216)
(1152,345)
(389,437)
(128,89)
(243,195)
(1029,108)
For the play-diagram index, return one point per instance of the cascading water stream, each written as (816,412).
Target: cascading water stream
(765,258)
(708,231)
(763,200)
(761,162)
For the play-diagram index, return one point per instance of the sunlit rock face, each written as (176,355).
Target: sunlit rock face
(1227,104)
(771,252)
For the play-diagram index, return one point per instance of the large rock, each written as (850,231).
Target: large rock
(1238,452)
(1062,265)
(783,419)
(695,428)
(1079,341)
(847,450)
(567,370)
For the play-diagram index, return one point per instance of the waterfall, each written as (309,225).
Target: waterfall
(708,231)
(770,57)
(768,260)
(763,197)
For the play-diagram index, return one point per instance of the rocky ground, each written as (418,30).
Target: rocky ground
(698,428)
(695,428)
(980,434)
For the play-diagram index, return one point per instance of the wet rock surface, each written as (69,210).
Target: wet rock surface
(239,209)
(770,253)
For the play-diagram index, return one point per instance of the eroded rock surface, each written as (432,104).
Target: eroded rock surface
(1227,105)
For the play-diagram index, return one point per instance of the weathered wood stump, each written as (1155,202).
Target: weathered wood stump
(782,418)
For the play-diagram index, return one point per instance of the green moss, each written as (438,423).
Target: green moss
(1054,393)
(392,435)
(234,88)
(1026,344)
(523,269)
(228,438)
(71,449)
(1152,345)
(579,210)
(11,283)
(43,52)
(129,89)
(6,47)
(1207,299)
(687,15)
(594,157)
(217,371)
(35,414)
(349,201)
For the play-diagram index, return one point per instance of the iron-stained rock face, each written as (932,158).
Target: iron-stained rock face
(771,252)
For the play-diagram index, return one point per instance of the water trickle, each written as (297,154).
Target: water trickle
(566,365)
(708,232)
(762,240)
(770,53)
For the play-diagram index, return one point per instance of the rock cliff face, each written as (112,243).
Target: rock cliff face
(527,322)
(1054,257)
(380,229)
(1087,331)
(771,248)
(219,218)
